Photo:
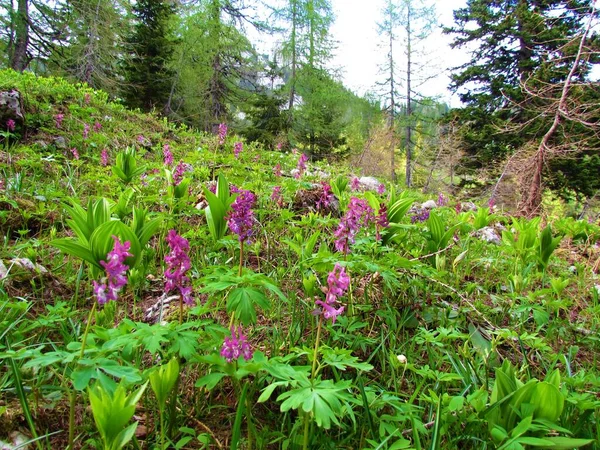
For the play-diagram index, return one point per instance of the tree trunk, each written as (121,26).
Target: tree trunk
(19,59)
(408,100)
(391,124)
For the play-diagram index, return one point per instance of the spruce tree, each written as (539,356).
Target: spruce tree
(151,45)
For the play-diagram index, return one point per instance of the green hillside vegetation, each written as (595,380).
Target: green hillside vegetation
(167,288)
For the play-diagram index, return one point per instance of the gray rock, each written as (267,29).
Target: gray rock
(489,234)
(369,183)
(11,106)
(429,204)
(60,142)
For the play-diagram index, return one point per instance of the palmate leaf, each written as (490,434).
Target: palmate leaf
(322,399)
(243,301)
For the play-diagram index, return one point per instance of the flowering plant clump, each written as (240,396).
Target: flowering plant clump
(355,184)
(235,346)
(337,284)
(359,214)
(58,120)
(301,167)
(167,155)
(222,133)
(237,149)
(491,203)
(381,221)
(381,189)
(277,170)
(10,125)
(326,197)
(240,218)
(104,157)
(420,216)
(86,130)
(276,196)
(115,268)
(442,200)
(97,126)
(178,263)
(75,153)
(179,173)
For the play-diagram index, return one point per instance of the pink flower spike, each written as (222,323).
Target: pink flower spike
(237,149)
(115,268)
(178,263)
(86,131)
(338,282)
(235,346)
(10,125)
(97,126)
(104,157)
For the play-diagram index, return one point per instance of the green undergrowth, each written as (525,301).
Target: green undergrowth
(446,340)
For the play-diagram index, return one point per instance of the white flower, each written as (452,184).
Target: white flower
(402,359)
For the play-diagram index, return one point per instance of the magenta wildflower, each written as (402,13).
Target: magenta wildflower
(237,149)
(87,98)
(115,269)
(256,158)
(420,216)
(75,153)
(491,203)
(355,184)
(279,146)
(326,197)
(381,189)
(301,167)
(10,125)
(86,130)
(104,157)
(141,139)
(178,263)
(277,170)
(179,173)
(359,214)
(442,200)
(167,155)
(240,219)
(458,207)
(97,126)
(338,282)
(276,196)
(235,346)
(143,178)
(58,120)
(222,133)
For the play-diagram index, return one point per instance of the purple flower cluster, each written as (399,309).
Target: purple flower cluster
(277,170)
(326,197)
(301,167)
(237,149)
(420,216)
(179,173)
(86,130)
(58,120)
(381,189)
(276,196)
(337,284)
(235,346)
(355,184)
(381,220)
(178,263)
(359,214)
(104,157)
(75,153)
(167,155)
(222,133)
(97,126)
(87,98)
(491,203)
(442,200)
(10,125)
(115,268)
(240,219)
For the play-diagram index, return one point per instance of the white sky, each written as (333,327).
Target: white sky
(359,52)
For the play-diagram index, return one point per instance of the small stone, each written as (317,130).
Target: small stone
(60,142)
(429,204)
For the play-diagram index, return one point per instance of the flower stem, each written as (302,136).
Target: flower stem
(73,397)
(241,258)
(180,309)
(312,377)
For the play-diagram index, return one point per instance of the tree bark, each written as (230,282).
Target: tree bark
(19,59)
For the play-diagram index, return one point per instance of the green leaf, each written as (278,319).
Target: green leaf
(101,242)
(73,248)
(210,380)
(564,443)
(243,301)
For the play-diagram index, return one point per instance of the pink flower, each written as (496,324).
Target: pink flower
(338,282)
(179,173)
(381,189)
(222,133)
(10,125)
(97,126)
(326,197)
(75,153)
(141,139)
(178,263)
(87,98)
(237,149)
(359,214)
(240,219)
(167,155)
(58,120)
(115,269)
(277,170)
(355,184)
(86,130)
(491,203)
(301,167)
(235,346)
(442,200)
(276,196)
(381,221)
(104,158)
